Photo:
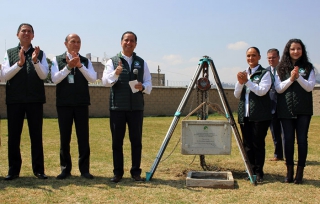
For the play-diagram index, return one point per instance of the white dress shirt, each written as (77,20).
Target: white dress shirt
(41,68)
(109,77)
(259,89)
(307,85)
(57,76)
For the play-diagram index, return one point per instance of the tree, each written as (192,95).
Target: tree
(48,79)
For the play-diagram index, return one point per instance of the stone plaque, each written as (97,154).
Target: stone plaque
(206,137)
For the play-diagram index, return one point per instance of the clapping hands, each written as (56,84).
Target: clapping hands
(294,73)
(75,61)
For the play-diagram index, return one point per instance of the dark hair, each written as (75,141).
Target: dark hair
(285,66)
(258,51)
(129,32)
(27,24)
(273,50)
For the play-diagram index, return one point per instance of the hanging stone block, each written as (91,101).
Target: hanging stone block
(206,137)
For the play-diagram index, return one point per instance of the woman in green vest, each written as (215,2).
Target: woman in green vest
(294,81)
(254,110)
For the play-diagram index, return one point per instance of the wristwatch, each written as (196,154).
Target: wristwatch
(142,88)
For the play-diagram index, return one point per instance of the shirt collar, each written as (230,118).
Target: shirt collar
(27,49)
(253,70)
(126,57)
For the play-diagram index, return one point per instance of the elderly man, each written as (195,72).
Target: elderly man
(72,72)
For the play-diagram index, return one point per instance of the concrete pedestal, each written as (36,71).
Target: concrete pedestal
(210,179)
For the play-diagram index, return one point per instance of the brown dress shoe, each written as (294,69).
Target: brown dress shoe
(116,179)
(138,178)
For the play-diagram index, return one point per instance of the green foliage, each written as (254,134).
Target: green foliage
(48,79)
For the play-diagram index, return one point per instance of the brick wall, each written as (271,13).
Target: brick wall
(163,101)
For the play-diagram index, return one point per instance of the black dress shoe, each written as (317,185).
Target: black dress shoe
(63,175)
(138,178)
(11,177)
(116,179)
(259,179)
(41,176)
(87,175)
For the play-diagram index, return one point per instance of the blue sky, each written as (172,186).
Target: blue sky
(173,34)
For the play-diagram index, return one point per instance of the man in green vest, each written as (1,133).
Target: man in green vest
(24,68)
(72,72)
(129,78)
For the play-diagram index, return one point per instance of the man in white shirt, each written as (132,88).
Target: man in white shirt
(72,72)
(126,104)
(275,125)
(24,68)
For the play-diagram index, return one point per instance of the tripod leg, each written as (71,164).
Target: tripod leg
(173,125)
(233,124)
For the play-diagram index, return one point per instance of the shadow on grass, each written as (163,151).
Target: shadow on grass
(312,163)
(104,183)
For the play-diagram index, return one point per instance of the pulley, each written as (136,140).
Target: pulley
(203,84)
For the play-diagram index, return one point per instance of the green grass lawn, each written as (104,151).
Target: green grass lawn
(168,182)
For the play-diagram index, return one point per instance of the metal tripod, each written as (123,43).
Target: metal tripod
(204,61)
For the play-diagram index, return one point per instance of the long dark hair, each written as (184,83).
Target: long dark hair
(285,66)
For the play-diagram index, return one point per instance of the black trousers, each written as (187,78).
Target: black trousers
(118,121)
(254,134)
(276,131)
(80,116)
(16,114)
(296,128)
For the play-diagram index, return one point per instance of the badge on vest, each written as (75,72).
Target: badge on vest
(302,72)
(71,79)
(255,79)
(136,64)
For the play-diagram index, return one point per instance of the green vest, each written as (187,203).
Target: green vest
(121,96)
(72,94)
(25,86)
(259,106)
(295,100)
